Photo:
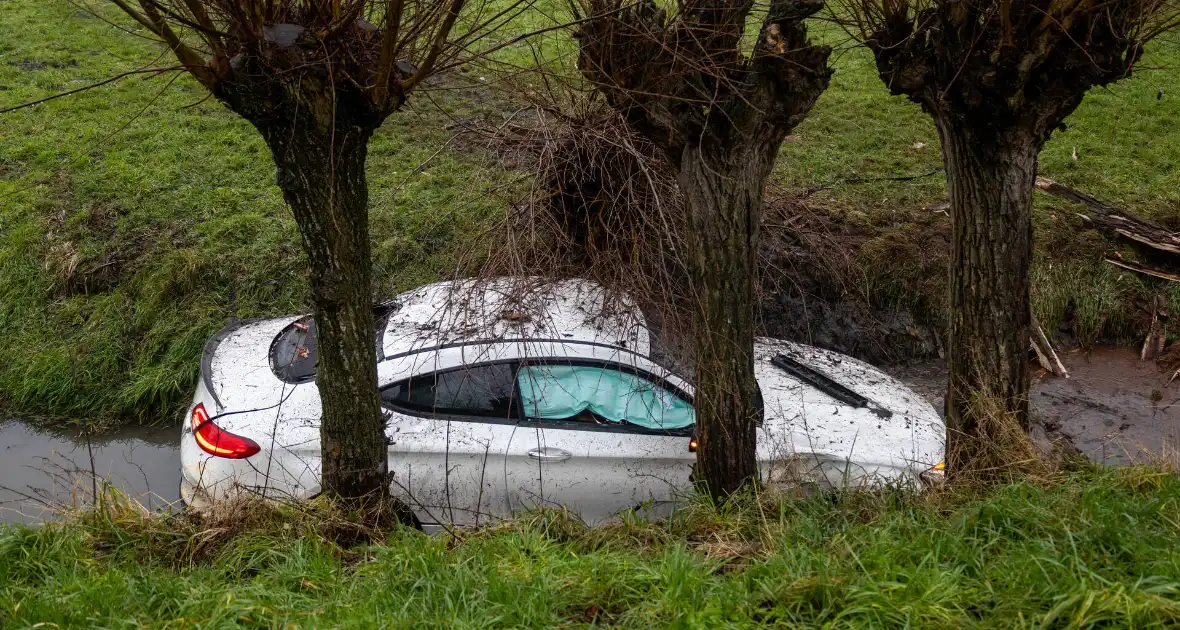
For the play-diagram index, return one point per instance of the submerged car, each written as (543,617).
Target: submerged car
(508,394)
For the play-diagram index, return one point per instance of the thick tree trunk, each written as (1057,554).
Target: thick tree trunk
(990,176)
(723,196)
(321,171)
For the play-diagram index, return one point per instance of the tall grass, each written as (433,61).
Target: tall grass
(1096,548)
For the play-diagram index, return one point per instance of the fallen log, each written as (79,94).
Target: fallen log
(1157,249)
(1107,217)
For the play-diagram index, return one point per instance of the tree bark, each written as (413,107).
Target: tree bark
(990,177)
(321,171)
(723,197)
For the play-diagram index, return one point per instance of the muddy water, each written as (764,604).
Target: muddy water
(43,468)
(1114,408)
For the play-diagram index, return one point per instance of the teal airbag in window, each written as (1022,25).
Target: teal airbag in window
(558,392)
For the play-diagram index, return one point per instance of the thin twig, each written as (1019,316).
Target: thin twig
(121,75)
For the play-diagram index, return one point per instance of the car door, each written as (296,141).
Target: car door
(455,443)
(612,438)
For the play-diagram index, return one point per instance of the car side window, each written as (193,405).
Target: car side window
(484,391)
(600,394)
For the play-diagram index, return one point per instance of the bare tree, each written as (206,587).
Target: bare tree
(718,104)
(316,78)
(998,77)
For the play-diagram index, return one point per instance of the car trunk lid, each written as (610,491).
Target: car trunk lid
(236,368)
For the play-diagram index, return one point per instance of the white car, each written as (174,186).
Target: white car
(503,395)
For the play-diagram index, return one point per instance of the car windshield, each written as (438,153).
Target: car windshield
(294,354)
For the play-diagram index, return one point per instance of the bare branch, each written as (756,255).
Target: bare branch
(440,41)
(189,58)
(107,81)
(393,19)
(137,16)
(1144,269)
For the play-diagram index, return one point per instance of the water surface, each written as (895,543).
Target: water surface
(1114,408)
(43,470)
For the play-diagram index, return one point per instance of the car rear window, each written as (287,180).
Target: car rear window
(294,353)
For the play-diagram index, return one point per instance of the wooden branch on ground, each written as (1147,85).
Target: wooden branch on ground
(1107,217)
(1041,358)
(1154,246)
(1153,346)
(1046,355)
(1149,271)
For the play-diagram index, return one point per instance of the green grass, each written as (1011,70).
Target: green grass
(127,238)
(138,218)
(1098,549)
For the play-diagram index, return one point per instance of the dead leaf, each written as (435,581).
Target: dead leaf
(514,316)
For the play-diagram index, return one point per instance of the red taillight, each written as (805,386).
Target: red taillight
(219,443)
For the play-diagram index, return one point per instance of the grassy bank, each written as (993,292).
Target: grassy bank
(138,218)
(1101,549)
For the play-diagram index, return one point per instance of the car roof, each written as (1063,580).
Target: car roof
(512,309)
(467,354)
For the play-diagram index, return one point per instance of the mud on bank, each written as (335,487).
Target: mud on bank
(1113,408)
(877,291)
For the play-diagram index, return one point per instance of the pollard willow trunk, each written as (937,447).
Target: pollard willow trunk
(990,177)
(325,186)
(723,195)
(320,152)
(318,133)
